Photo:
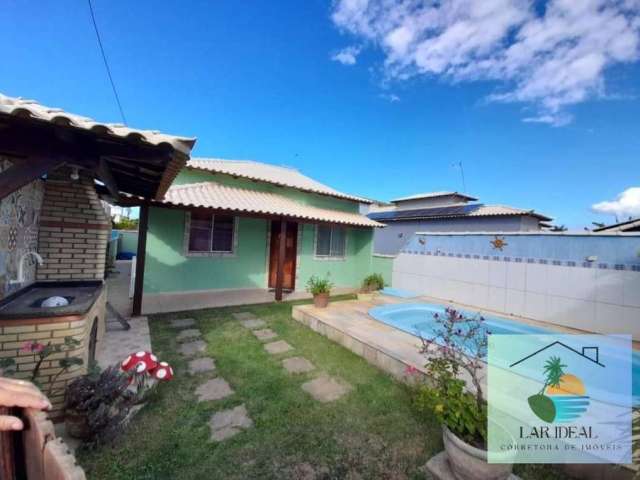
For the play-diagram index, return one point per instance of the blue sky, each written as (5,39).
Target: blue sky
(255,80)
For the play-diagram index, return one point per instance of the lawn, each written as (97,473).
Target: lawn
(372,432)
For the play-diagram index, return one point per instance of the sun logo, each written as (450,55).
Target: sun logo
(563,397)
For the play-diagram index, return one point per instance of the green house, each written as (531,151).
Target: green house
(236,232)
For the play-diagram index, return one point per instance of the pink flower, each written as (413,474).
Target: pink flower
(32,347)
(410,370)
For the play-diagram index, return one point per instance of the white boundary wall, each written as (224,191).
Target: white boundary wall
(603,300)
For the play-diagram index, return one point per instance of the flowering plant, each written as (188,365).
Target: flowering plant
(42,352)
(458,345)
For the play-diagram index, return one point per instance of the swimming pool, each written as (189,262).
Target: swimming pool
(417,319)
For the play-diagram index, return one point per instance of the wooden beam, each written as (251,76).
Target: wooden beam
(25,171)
(140,260)
(105,175)
(282,244)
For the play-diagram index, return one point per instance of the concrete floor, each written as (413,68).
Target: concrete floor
(182,301)
(119,343)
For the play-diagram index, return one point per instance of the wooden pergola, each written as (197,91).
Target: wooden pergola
(125,161)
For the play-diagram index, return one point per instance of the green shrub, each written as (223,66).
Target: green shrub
(317,285)
(373,282)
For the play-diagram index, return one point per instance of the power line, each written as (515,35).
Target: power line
(106,64)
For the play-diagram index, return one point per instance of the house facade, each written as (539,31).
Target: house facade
(215,239)
(445,212)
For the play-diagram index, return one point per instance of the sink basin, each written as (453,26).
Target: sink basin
(28,302)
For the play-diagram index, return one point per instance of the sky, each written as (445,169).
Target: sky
(539,100)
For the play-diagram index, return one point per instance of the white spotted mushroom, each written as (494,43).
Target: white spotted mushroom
(162,371)
(140,362)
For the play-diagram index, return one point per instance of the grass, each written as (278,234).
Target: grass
(372,432)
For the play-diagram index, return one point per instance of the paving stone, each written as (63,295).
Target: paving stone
(297,365)
(188,334)
(192,348)
(264,334)
(254,323)
(214,389)
(182,323)
(200,365)
(244,316)
(326,388)
(275,348)
(227,423)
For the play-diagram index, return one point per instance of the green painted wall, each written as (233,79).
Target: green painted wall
(168,270)
(348,272)
(383,265)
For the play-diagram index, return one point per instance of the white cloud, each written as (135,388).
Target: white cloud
(347,56)
(550,59)
(626,204)
(391,97)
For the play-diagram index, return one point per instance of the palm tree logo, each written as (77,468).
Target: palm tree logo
(562,397)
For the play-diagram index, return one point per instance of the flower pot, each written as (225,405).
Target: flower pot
(470,463)
(321,300)
(77,424)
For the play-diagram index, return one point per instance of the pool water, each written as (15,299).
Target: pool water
(417,319)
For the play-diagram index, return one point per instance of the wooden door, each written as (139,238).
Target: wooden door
(291,251)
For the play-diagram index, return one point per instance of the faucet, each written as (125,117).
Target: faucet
(20,278)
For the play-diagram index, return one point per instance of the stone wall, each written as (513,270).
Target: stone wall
(19,221)
(15,333)
(74,229)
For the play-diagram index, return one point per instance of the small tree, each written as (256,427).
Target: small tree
(458,345)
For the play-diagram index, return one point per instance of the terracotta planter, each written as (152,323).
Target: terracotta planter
(470,463)
(77,424)
(321,300)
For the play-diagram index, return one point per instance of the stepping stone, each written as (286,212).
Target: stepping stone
(190,349)
(227,423)
(264,334)
(200,365)
(326,388)
(253,323)
(188,334)
(183,323)
(244,316)
(214,389)
(275,348)
(297,365)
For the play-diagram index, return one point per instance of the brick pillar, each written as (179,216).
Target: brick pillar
(74,229)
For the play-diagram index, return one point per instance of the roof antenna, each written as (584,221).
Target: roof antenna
(464,184)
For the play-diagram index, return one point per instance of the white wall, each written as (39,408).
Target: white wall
(591,299)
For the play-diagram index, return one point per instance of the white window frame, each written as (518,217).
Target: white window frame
(212,253)
(339,258)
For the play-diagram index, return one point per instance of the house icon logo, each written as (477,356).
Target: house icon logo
(563,397)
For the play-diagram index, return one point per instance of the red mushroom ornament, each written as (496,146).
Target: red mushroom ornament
(140,362)
(162,372)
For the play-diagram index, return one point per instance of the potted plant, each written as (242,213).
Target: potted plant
(320,288)
(97,404)
(457,347)
(373,283)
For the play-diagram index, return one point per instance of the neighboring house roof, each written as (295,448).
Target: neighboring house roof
(264,172)
(224,197)
(454,211)
(420,196)
(628,226)
(21,107)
